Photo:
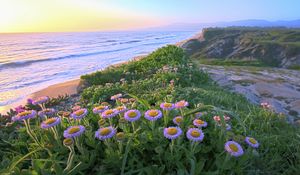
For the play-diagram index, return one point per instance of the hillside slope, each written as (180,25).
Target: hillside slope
(273,46)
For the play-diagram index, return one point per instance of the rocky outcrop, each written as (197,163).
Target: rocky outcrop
(275,47)
(278,87)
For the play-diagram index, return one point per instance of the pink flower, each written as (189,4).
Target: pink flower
(226,118)
(76,108)
(20,109)
(217,118)
(265,105)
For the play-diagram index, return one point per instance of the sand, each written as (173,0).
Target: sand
(53,91)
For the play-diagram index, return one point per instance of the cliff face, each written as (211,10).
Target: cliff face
(276,47)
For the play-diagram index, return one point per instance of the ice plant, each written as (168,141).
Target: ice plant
(252,142)
(132,115)
(115,97)
(234,149)
(99,109)
(109,113)
(24,115)
(167,106)
(105,133)
(195,134)
(181,104)
(153,114)
(45,112)
(50,122)
(120,109)
(74,131)
(178,120)
(172,132)
(40,100)
(199,123)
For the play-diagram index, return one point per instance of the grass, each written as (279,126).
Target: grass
(295,67)
(166,75)
(231,62)
(267,45)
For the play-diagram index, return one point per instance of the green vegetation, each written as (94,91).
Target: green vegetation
(271,46)
(166,75)
(230,62)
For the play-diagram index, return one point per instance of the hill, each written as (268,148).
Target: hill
(278,47)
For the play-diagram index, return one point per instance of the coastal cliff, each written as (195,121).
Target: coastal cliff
(278,47)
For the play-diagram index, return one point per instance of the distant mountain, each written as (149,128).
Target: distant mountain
(245,23)
(273,46)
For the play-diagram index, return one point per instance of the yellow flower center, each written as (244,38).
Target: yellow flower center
(79,112)
(152,113)
(105,131)
(132,114)
(74,129)
(100,107)
(47,110)
(195,133)
(172,131)
(24,113)
(200,122)
(178,119)
(109,112)
(252,140)
(50,121)
(167,105)
(120,108)
(233,147)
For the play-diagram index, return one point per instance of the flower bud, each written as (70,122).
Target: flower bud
(120,136)
(68,142)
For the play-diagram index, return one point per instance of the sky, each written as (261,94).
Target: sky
(99,15)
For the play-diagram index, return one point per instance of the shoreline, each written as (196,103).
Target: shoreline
(69,87)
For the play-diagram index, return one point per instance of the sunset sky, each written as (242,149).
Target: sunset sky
(97,15)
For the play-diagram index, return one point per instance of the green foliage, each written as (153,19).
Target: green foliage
(267,45)
(135,70)
(231,62)
(145,150)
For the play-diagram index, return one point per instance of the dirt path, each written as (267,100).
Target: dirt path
(278,87)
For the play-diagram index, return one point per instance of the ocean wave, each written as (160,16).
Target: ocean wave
(129,42)
(22,63)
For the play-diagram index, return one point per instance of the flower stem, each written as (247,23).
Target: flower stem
(70,158)
(172,145)
(30,133)
(126,155)
(78,145)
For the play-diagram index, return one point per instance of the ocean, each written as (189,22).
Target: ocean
(32,61)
